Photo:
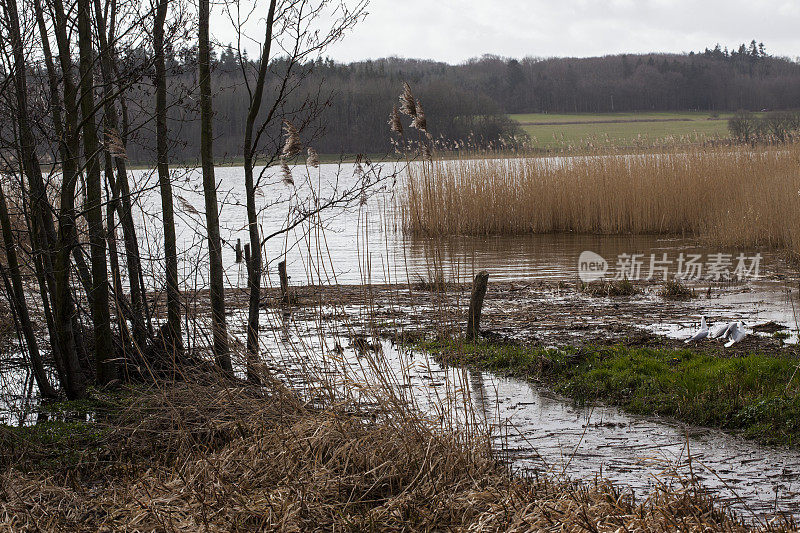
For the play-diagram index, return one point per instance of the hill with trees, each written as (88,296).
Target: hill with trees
(469,99)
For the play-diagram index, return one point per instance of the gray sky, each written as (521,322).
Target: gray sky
(453,31)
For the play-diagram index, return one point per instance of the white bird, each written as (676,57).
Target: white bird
(721,330)
(735,334)
(701,334)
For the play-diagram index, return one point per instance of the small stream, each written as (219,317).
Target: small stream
(543,432)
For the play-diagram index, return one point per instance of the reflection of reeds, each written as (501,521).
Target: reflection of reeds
(728,195)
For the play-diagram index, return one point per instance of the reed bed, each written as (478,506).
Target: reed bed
(728,196)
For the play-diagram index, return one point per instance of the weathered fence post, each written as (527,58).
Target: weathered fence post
(238,250)
(247,262)
(476,304)
(284,282)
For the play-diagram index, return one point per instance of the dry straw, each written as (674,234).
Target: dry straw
(220,458)
(730,196)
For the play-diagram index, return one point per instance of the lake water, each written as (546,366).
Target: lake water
(357,243)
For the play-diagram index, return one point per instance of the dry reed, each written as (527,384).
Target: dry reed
(729,196)
(217,457)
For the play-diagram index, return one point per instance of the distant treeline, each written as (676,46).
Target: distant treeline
(473,98)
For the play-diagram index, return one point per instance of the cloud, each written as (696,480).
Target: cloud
(453,31)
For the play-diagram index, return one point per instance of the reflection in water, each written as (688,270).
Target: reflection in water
(479,397)
(363,242)
(555,256)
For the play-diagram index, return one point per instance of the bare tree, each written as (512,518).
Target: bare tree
(120,185)
(66,355)
(173,340)
(299,40)
(217,288)
(103,346)
(20,305)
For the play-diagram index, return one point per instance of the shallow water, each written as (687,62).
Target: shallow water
(543,432)
(360,244)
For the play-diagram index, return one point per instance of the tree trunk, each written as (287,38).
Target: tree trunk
(218,325)
(175,338)
(476,305)
(138,301)
(17,294)
(254,266)
(284,279)
(103,346)
(74,381)
(122,307)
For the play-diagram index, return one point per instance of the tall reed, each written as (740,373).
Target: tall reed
(726,195)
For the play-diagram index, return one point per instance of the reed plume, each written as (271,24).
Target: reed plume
(427,155)
(292,146)
(313,158)
(408,104)
(394,121)
(286,172)
(114,144)
(419,121)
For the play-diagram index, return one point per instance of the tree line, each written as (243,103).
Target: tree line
(773,127)
(473,99)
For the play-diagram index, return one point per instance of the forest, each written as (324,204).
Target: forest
(465,100)
(473,98)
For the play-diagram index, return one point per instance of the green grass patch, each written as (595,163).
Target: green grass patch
(757,394)
(69,434)
(620,129)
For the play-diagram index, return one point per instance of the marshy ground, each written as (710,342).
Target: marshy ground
(279,459)
(221,457)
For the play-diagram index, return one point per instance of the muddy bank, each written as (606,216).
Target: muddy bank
(548,313)
(544,432)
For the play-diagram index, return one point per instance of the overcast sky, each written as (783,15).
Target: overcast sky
(453,31)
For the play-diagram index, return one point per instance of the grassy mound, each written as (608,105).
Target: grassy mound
(757,394)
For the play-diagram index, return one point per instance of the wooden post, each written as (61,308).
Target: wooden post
(284,282)
(238,250)
(476,304)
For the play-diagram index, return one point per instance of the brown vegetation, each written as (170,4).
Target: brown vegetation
(730,196)
(224,458)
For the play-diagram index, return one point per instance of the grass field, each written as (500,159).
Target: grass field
(620,129)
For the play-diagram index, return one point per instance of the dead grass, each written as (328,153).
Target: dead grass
(219,457)
(609,288)
(675,289)
(731,196)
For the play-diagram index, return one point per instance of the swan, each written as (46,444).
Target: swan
(701,334)
(735,334)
